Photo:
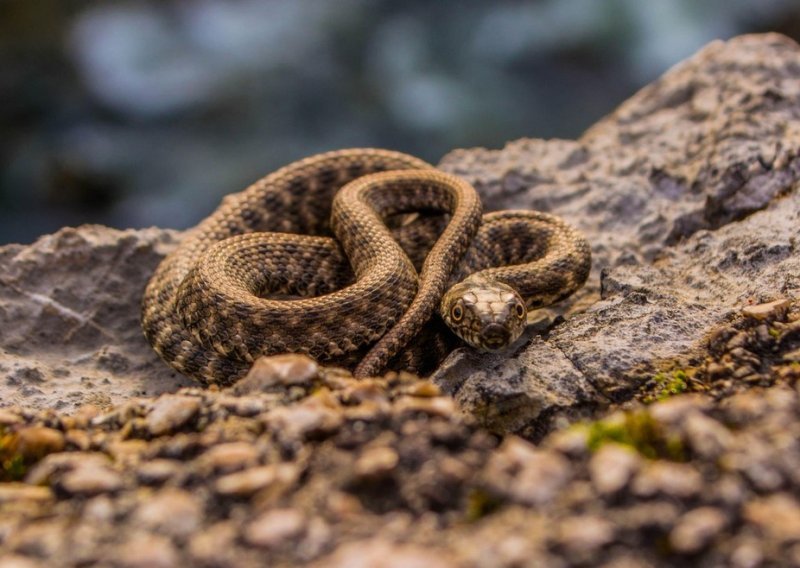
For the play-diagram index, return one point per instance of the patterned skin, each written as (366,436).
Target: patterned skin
(336,256)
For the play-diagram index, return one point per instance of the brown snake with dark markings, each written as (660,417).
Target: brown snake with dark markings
(262,274)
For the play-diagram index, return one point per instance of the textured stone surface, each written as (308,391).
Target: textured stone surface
(688,194)
(69,319)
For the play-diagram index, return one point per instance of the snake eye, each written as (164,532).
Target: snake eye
(457,312)
(519,309)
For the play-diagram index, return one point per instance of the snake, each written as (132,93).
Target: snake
(347,256)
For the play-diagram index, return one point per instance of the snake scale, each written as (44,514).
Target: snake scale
(345,256)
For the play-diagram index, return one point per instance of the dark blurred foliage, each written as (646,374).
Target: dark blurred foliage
(141,113)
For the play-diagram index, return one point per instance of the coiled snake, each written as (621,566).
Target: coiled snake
(263,275)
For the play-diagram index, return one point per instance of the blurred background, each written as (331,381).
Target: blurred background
(138,113)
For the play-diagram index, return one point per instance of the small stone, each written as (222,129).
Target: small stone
(612,467)
(697,529)
(440,406)
(364,391)
(45,470)
(424,389)
(230,457)
(249,481)
(79,439)
(17,492)
(90,480)
(671,479)
(278,371)
(585,534)
(519,471)
(379,552)
(275,528)
(376,462)
(706,437)
(8,418)
(171,511)
(170,412)
(157,471)
(768,310)
(35,442)
(16,561)
(215,545)
(778,516)
(304,421)
(145,550)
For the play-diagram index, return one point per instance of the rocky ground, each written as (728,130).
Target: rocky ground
(653,420)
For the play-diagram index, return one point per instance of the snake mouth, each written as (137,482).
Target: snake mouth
(495,336)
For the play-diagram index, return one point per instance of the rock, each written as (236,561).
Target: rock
(669,479)
(585,534)
(142,550)
(35,442)
(777,516)
(69,318)
(520,472)
(275,528)
(376,462)
(172,512)
(612,467)
(696,530)
(687,223)
(227,458)
(90,480)
(157,471)
(278,372)
(764,311)
(384,554)
(249,481)
(170,413)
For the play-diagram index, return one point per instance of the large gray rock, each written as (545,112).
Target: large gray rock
(687,193)
(669,190)
(69,319)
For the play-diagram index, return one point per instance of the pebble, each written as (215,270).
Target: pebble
(35,442)
(612,467)
(525,474)
(230,457)
(778,516)
(144,550)
(158,471)
(303,421)
(677,480)
(14,492)
(90,480)
(767,310)
(250,481)
(384,554)
(275,528)
(170,511)
(586,533)
(171,412)
(278,371)
(697,529)
(705,436)
(442,407)
(376,462)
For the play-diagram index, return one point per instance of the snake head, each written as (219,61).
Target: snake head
(487,314)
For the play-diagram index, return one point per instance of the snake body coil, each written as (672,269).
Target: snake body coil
(264,275)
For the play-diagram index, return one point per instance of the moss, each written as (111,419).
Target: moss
(480,503)
(776,333)
(12,464)
(639,431)
(667,385)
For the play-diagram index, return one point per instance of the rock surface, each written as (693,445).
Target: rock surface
(689,195)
